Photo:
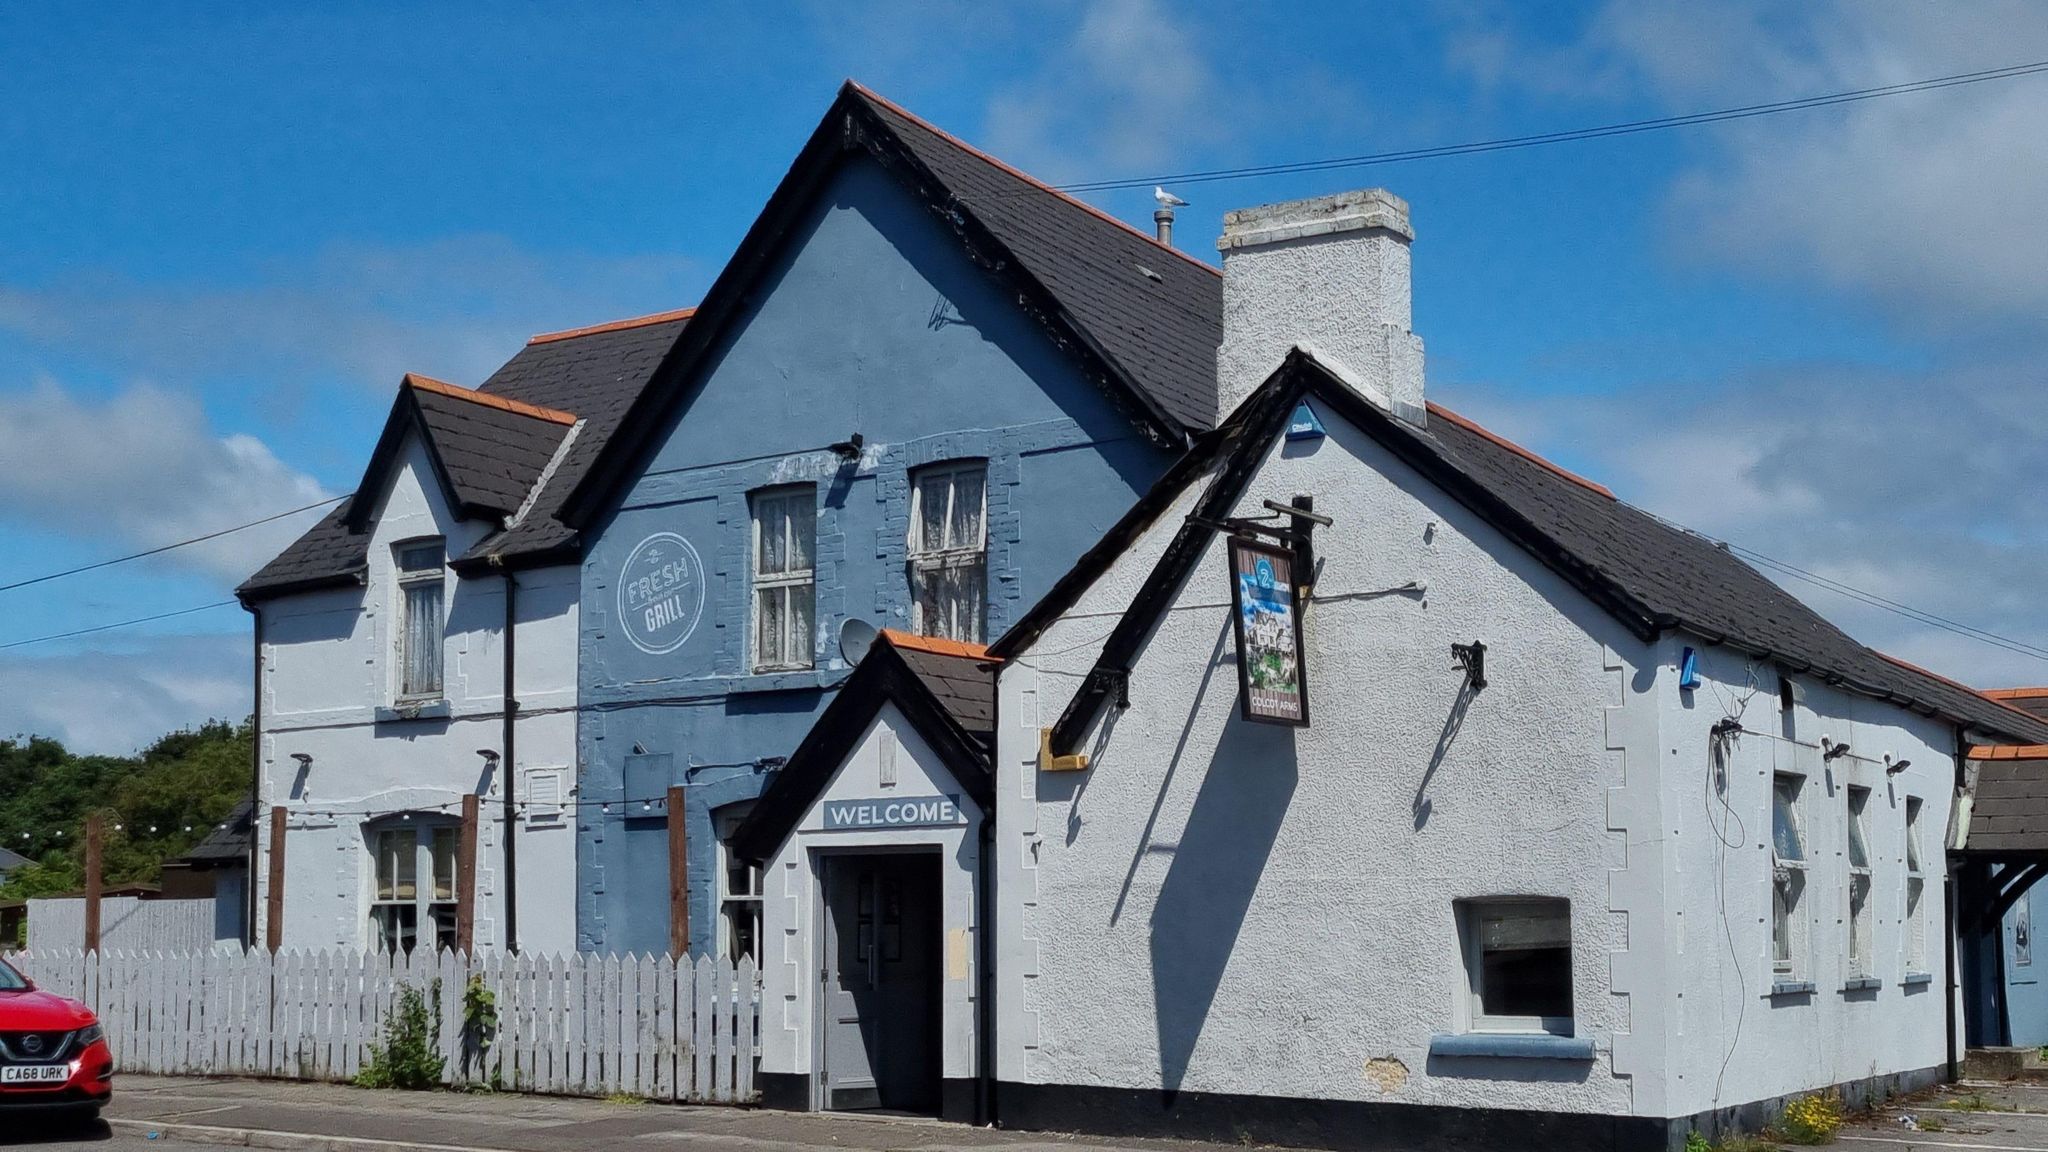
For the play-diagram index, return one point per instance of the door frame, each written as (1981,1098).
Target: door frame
(819,856)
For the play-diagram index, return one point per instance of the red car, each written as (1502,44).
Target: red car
(53,1052)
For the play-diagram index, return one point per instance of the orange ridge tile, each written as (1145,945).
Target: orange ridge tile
(935,645)
(1436,409)
(458,392)
(612,326)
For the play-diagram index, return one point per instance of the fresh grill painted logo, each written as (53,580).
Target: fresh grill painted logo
(661,593)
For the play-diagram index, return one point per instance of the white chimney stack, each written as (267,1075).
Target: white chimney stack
(1330,275)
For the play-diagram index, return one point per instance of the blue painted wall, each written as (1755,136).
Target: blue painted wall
(2026,996)
(874,321)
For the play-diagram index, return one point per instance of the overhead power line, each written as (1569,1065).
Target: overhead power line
(1872,599)
(1627,128)
(118,624)
(165,548)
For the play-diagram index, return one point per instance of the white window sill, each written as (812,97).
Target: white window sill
(436,708)
(1862,984)
(1914,979)
(1782,987)
(1510,1046)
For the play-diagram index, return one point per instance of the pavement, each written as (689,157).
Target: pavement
(174,1114)
(1984,1116)
(177,1114)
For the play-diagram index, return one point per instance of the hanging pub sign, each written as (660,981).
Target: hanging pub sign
(1272,686)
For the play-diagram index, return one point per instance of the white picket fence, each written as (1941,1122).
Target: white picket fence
(578,1026)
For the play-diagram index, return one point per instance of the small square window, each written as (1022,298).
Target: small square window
(1518,964)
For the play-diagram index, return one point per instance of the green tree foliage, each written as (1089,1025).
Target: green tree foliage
(182,786)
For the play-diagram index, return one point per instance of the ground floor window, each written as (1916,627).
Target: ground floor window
(414,885)
(1518,964)
(739,891)
(1788,878)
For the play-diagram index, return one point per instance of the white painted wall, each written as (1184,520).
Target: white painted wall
(1718,932)
(1210,889)
(329,665)
(790,914)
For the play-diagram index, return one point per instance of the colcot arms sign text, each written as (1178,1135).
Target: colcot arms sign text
(909,812)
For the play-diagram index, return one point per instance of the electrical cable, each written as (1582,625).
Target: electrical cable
(168,547)
(118,624)
(1509,143)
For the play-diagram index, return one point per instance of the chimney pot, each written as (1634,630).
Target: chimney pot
(1162,222)
(1330,275)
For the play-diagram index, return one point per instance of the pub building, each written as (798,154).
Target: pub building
(1593,836)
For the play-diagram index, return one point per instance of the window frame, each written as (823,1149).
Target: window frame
(1789,876)
(951,556)
(1472,949)
(407,580)
(788,581)
(725,822)
(428,907)
(1916,889)
(1859,937)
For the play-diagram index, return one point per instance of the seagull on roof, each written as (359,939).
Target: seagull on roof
(1167,199)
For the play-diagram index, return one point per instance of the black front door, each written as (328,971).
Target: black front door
(880,970)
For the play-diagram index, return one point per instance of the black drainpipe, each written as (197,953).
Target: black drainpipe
(506,786)
(984,932)
(1948,908)
(255,779)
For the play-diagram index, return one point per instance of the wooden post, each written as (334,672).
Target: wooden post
(465,878)
(273,913)
(92,882)
(678,878)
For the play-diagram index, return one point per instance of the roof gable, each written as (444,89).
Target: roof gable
(948,697)
(1142,318)
(1651,575)
(487,451)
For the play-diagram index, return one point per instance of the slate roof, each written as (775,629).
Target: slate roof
(957,676)
(1146,316)
(1154,312)
(2033,701)
(226,845)
(10,860)
(493,455)
(945,689)
(1652,575)
(2009,813)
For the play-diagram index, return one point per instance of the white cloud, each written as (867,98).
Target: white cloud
(1918,487)
(1924,203)
(141,469)
(116,702)
(361,314)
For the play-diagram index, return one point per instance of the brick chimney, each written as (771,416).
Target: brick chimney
(1329,274)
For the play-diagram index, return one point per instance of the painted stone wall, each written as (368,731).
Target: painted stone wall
(328,681)
(1732,1040)
(873,322)
(790,914)
(1210,887)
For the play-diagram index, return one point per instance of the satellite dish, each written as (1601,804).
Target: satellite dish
(856,636)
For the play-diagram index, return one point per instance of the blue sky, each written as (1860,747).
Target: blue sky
(226,230)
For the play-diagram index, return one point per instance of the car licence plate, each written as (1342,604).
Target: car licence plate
(35,1074)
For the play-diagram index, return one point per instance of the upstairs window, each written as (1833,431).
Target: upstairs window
(949,551)
(1518,964)
(1859,882)
(1916,892)
(422,625)
(1788,878)
(402,903)
(785,580)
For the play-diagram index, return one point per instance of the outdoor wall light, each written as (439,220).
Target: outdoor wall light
(849,448)
(1831,751)
(305,760)
(1894,767)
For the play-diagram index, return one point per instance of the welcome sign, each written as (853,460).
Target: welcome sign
(908,812)
(661,593)
(1270,682)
